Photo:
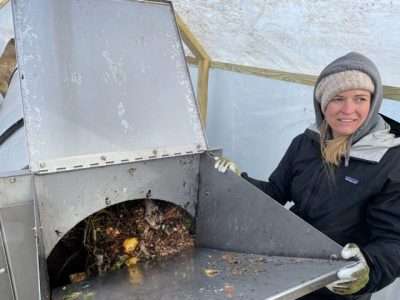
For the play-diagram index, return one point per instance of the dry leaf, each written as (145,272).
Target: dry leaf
(211,272)
(72,296)
(77,277)
(130,245)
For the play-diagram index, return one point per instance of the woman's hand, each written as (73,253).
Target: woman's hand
(354,277)
(222,164)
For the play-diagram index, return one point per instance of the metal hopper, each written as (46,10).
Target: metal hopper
(110,116)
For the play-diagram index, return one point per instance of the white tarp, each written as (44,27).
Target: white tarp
(296,36)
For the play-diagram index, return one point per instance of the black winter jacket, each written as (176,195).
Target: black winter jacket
(359,203)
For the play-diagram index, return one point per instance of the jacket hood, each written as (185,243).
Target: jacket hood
(358,62)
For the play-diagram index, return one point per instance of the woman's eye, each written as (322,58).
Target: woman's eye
(361,99)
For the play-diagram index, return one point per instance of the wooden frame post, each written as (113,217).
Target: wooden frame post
(203,62)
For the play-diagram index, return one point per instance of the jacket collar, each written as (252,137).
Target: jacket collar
(373,146)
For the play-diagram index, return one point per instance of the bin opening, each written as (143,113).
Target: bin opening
(124,234)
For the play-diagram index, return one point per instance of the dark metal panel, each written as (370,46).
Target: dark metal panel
(237,276)
(234,215)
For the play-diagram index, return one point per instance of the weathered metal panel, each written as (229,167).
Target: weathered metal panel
(13,152)
(66,198)
(234,215)
(235,275)
(11,108)
(6,290)
(18,224)
(15,188)
(112,85)
(13,148)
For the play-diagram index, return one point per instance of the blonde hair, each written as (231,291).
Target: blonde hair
(334,149)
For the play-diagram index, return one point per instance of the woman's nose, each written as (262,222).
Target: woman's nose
(348,106)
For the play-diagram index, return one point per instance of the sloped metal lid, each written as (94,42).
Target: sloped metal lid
(103,82)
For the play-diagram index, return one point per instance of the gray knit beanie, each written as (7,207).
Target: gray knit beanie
(340,82)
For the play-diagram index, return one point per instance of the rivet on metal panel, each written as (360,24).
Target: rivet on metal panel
(107,201)
(131,171)
(13,180)
(2,270)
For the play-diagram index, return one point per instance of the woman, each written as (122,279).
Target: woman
(343,175)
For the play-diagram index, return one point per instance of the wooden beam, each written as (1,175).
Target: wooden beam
(202,89)
(3,3)
(389,92)
(190,40)
(192,60)
(203,62)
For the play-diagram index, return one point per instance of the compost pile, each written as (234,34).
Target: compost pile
(128,234)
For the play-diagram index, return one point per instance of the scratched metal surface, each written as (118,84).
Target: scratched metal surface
(235,276)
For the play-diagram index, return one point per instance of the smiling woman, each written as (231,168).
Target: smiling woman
(343,176)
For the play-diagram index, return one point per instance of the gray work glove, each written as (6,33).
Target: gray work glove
(354,277)
(222,164)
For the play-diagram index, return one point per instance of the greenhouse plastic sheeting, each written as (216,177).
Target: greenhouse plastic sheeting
(296,36)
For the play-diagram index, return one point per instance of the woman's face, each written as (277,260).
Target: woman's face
(347,111)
